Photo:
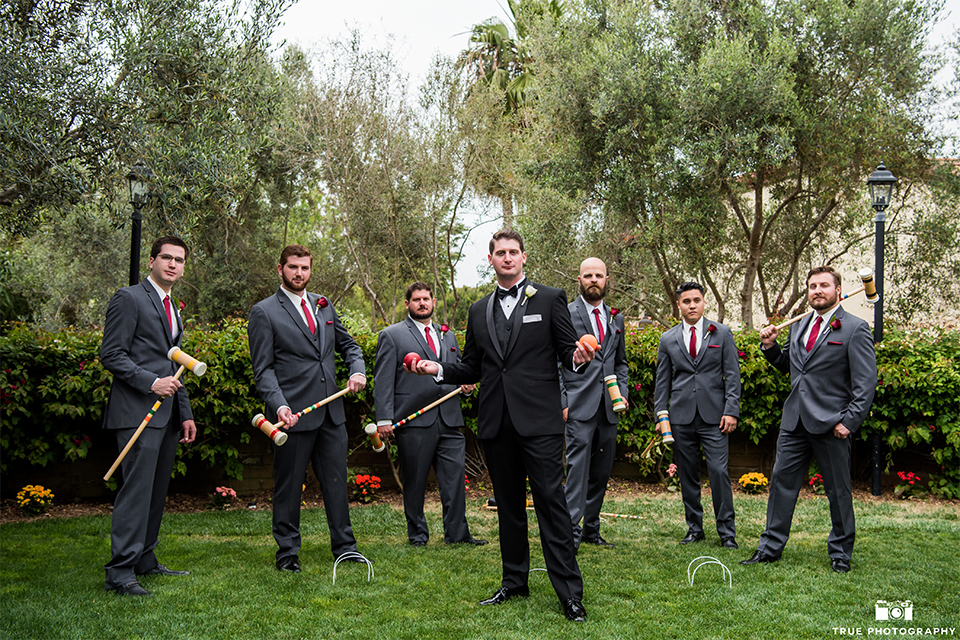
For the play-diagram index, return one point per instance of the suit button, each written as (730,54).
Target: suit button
(504,370)
(323,379)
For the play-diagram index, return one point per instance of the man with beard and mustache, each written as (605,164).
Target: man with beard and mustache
(433,438)
(833,377)
(591,423)
(698,380)
(293,338)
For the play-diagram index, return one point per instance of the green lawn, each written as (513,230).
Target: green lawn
(51,576)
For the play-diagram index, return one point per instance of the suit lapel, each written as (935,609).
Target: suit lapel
(584,312)
(491,327)
(516,318)
(704,340)
(161,312)
(825,330)
(681,340)
(425,350)
(294,314)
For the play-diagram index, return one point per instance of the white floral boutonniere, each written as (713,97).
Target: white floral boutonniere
(528,292)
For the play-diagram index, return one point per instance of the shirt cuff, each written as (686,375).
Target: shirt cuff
(439,376)
(384,423)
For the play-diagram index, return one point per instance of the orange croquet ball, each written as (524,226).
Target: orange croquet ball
(588,338)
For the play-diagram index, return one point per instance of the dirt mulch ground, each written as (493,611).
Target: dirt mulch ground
(186,503)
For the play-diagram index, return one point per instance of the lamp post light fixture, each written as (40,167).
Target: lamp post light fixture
(883,189)
(139,181)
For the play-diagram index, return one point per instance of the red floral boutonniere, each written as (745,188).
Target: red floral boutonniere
(712,328)
(614,312)
(444,328)
(835,324)
(323,302)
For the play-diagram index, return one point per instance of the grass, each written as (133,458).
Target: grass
(51,579)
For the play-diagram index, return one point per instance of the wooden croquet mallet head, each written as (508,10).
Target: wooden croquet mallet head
(371,431)
(663,421)
(619,404)
(260,422)
(869,285)
(179,356)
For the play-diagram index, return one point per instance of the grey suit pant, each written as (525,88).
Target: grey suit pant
(591,446)
(326,448)
(716,451)
(138,507)
(794,450)
(443,447)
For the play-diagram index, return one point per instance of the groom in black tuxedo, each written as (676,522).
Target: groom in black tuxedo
(515,336)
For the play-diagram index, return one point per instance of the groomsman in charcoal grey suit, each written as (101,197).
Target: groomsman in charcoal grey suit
(432,438)
(698,382)
(833,376)
(591,431)
(142,324)
(293,337)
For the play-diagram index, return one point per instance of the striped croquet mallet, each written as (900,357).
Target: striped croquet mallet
(273,431)
(185,361)
(371,429)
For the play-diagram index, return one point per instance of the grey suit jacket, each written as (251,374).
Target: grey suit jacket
(396,393)
(710,384)
(291,366)
(832,384)
(136,339)
(581,394)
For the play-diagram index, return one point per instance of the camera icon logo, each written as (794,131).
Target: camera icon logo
(894,610)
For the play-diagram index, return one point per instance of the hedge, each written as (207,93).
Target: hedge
(53,391)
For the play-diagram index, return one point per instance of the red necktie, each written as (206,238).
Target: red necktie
(430,343)
(596,312)
(306,312)
(812,340)
(693,342)
(166,306)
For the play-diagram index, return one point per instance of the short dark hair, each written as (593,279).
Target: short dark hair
(297,250)
(418,286)
(689,286)
(174,240)
(505,234)
(824,269)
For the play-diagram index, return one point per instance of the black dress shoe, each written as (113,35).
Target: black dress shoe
(759,557)
(840,565)
(289,563)
(692,536)
(599,541)
(477,542)
(356,556)
(418,543)
(503,594)
(162,570)
(573,609)
(131,589)
(729,543)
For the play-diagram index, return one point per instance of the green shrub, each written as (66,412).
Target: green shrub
(53,391)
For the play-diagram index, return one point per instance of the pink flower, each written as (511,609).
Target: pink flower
(742,354)
(835,324)
(323,302)
(672,470)
(636,387)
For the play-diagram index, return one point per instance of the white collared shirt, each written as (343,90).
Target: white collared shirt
(295,299)
(434,334)
(699,334)
(508,303)
(813,319)
(593,317)
(173,313)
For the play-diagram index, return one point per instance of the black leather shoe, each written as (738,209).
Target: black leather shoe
(357,557)
(418,543)
(162,570)
(503,594)
(729,543)
(692,537)
(289,563)
(573,609)
(759,557)
(599,541)
(840,565)
(131,589)
(477,542)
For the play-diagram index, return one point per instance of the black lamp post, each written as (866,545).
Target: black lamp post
(139,181)
(883,189)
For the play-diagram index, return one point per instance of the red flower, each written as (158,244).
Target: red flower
(742,354)
(711,328)
(835,324)
(636,387)
(444,328)
(614,312)
(323,302)
(932,428)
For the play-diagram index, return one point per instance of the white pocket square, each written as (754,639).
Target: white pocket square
(536,317)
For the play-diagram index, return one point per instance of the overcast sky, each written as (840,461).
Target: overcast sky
(420,28)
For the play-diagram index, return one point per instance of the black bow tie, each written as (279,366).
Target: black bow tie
(512,292)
